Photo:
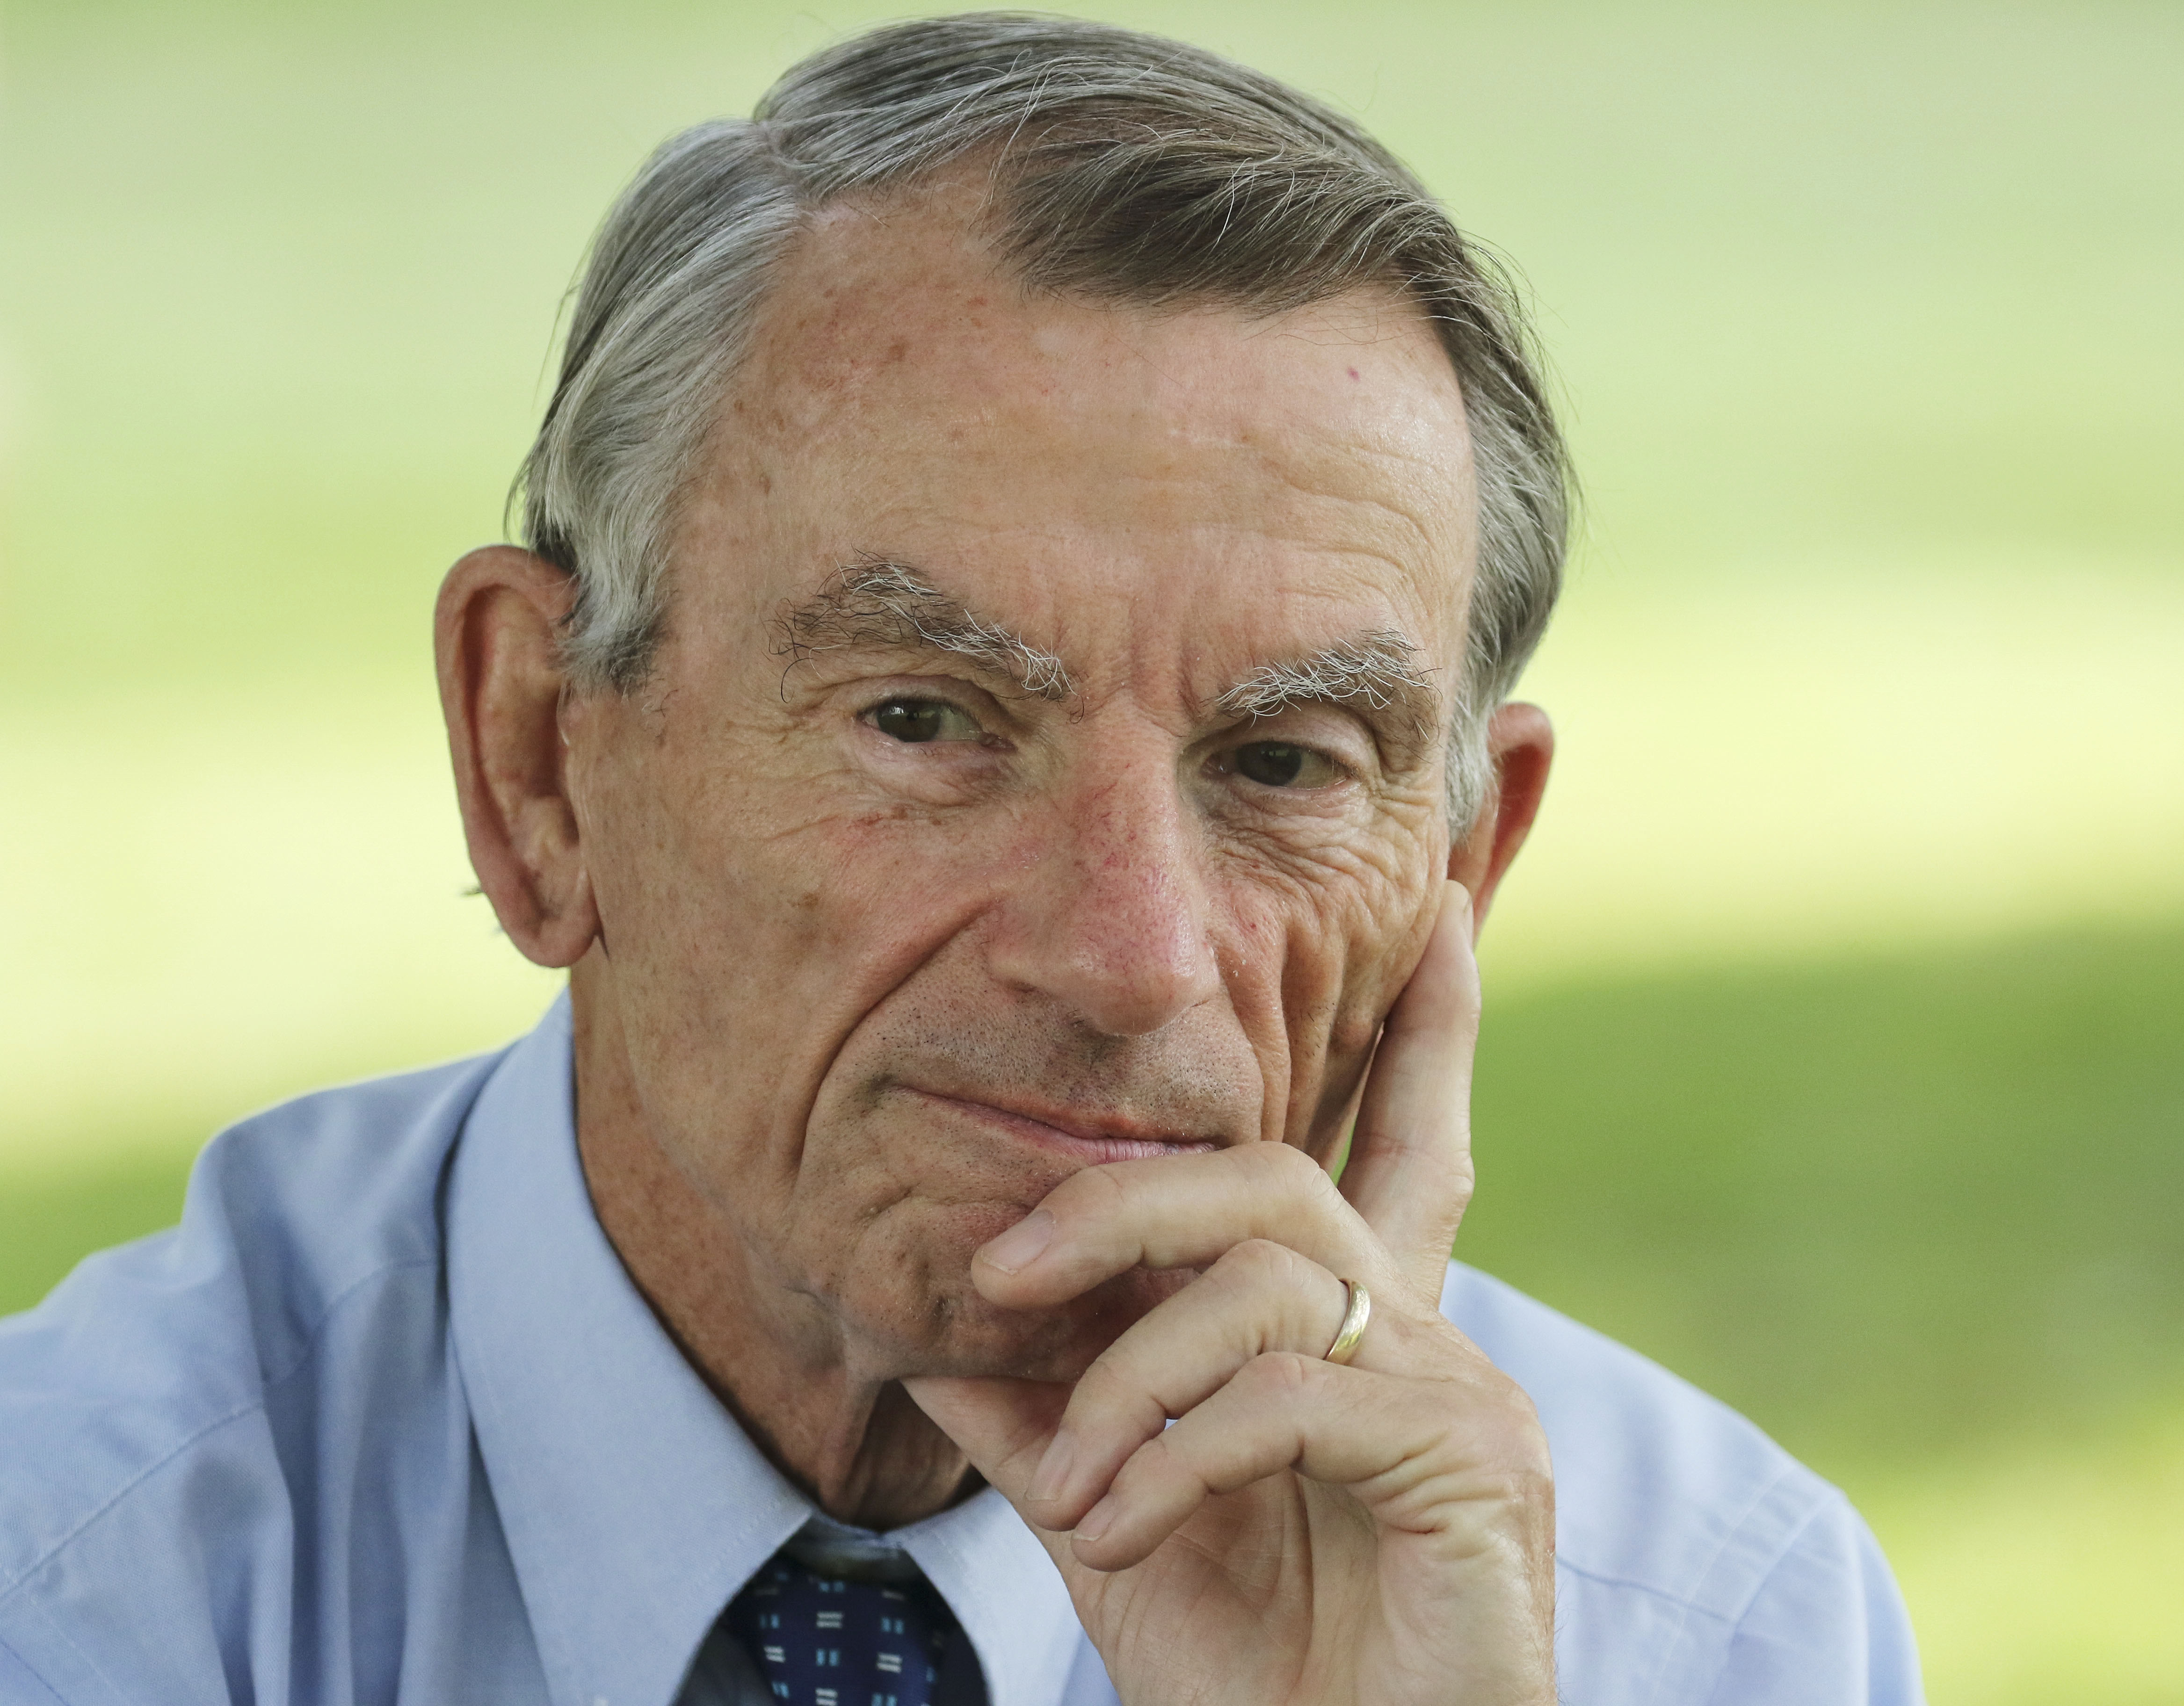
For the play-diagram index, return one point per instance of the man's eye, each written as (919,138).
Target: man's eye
(1278,764)
(918,720)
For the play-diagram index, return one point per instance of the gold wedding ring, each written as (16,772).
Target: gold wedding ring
(1352,1330)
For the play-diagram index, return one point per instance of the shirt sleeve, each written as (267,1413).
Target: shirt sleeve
(1827,1626)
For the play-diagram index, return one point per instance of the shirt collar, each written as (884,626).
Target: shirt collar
(635,1507)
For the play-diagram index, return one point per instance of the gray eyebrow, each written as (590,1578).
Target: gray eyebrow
(1379,666)
(879,602)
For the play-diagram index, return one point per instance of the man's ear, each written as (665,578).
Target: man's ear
(1520,744)
(495,635)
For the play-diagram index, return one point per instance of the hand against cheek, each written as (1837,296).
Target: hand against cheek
(1379,1533)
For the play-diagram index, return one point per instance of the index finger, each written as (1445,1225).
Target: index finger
(1409,1173)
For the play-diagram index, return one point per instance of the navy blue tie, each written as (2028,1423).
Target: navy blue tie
(819,1641)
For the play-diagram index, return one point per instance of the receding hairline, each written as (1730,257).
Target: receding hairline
(1160,172)
(958,198)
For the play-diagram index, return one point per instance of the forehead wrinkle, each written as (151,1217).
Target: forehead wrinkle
(1403,521)
(1378,666)
(881,602)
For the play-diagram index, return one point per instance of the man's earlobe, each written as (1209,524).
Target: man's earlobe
(496,639)
(1520,743)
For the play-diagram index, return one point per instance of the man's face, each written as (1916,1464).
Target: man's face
(898,928)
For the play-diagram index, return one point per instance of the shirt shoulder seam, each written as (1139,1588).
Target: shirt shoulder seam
(1609,1579)
(1789,1543)
(1829,1495)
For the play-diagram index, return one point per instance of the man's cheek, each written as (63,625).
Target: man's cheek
(773,919)
(1339,985)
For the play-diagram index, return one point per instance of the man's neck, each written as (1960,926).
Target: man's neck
(855,1443)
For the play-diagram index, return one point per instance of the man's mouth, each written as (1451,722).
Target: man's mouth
(1088,1137)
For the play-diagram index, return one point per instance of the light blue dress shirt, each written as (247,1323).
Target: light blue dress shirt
(384,1420)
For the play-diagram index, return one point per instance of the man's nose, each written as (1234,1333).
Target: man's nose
(1112,916)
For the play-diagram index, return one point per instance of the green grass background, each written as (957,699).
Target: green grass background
(1833,1053)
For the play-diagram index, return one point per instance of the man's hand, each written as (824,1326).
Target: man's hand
(1380,1533)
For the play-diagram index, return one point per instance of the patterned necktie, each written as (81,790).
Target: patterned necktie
(820,1641)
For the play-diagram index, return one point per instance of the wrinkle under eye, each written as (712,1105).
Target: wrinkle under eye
(915,722)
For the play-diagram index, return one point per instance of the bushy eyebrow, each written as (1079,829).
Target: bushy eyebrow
(881,602)
(878,601)
(1378,666)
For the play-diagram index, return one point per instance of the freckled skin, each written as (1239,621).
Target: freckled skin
(805,923)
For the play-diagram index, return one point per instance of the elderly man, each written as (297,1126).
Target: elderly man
(1003,715)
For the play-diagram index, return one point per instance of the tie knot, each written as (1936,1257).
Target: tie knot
(828,1641)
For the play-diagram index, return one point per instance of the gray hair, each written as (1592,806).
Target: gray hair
(1127,169)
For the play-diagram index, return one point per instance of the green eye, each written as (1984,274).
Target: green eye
(1278,764)
(915,721)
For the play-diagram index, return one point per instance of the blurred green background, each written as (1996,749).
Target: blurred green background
(1835,1051)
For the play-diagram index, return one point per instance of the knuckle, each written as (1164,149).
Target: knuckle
(1519,1442)
(1278,1377)
(1103,1385)
(1257,1262)
(1284,1167)
(1154,1466)
(1269,1294)
(1292,1183)
(1107,1396)
(1499,1427)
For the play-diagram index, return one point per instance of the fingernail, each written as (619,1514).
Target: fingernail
(1053,1471)
(1096,1519)
(1019,1247)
